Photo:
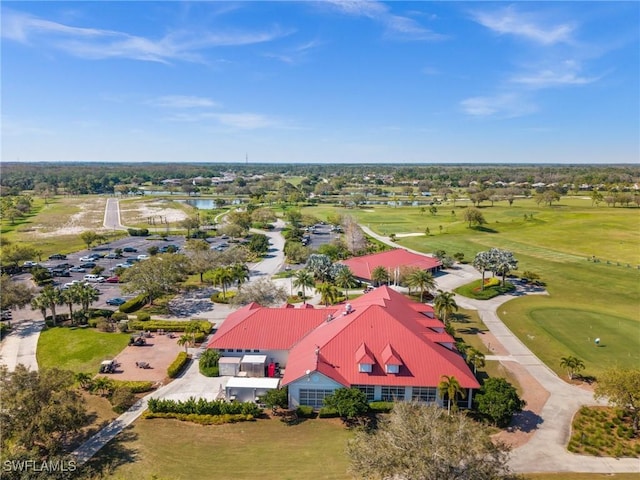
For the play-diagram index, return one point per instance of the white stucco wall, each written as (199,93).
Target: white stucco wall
(315,381)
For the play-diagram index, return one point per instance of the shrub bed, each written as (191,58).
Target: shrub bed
(171,325)
(219,297)
(381,407)
(328,412)
(136,386)
(305,411)
(143,316)
(202,406)
(202,419)
(603,431)
(134,304)
(178,364)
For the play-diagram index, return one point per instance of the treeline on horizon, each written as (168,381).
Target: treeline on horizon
(86,177)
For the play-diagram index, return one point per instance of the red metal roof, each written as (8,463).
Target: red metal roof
(257,327)
(380,318)
(391,259)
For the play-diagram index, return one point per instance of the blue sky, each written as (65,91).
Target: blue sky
(321,82)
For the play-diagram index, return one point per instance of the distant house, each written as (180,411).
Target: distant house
(392,260)
(382,343)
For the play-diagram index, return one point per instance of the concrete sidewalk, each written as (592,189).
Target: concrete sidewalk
(20,344)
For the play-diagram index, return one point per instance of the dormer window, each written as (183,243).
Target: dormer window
(392,368)
(391,360)
(364,367)
(364,359)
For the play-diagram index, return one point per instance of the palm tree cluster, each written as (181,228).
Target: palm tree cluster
(498,261)
(444,305)
(50,298)
(572,364)
(337,275)
(224,277)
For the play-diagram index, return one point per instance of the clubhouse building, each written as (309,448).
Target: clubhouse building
(392,261)
(382,343)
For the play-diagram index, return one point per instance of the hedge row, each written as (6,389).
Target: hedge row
(202,419)
(136,386)
(305,411)
(178,364)
(328,412)
(210,371)
(381,407)
(136,303)
(172,326)
(202,406)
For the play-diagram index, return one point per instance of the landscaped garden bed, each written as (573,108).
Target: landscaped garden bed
(603,431)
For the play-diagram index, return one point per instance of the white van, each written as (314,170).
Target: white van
(93,278)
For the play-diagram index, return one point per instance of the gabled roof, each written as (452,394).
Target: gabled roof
(257,327)
(364,355)
(390,356)
(362,267)
(380,319)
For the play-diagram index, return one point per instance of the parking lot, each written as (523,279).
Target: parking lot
(320,234)
(106,290)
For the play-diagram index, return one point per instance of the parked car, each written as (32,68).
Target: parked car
(56,272)
(129,249)
(30,264)
(78,269)
(108,366)
(114,279)
(71,284)
(113,256)
(120,265)
(116,301)
(143,257)
(93,278)
(86,258)
(96,256)
(88,264)
(5,315)
(57,256)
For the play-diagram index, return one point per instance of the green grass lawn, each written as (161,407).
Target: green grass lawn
(265,449)
(558,245)
(78,349)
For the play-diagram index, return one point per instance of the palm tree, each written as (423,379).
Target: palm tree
(87,294)
(328,293)
(345,279)
(450,386)
(572,364)
(222,276)
(445,304)
(71,296)
(51,297)
(84,379)
(303,279)
(475,358)
(240,273)
(185,340)
(379,275)
(38,303)
(422,280)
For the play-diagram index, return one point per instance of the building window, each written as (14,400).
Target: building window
(256,351)
(424,394)
(239,350)
(364,367)
(247,350)
(368,390)
(313,398)
(389,394)
(393,368)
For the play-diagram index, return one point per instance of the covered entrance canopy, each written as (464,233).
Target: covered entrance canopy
(246,389)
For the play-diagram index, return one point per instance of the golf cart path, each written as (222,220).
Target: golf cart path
(546,450)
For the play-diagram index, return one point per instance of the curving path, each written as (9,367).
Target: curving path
(546,450)
(20,344)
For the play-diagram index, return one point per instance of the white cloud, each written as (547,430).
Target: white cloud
(395,25)
(507,105)
(565,74)
(530,26)
(100,44)
(182,101)
(295,54)
(241,121)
